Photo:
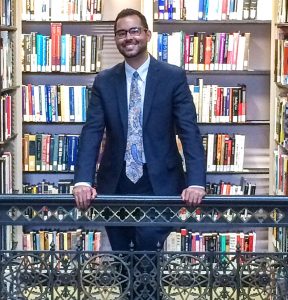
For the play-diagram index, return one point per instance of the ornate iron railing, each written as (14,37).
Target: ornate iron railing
(75,275)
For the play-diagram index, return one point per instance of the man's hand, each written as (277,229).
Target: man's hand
(193,195)
(84,195)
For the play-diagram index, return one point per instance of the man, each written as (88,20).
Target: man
(140,111)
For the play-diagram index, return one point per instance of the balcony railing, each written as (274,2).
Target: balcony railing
(78,274)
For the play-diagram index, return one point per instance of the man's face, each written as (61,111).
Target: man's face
(134,43)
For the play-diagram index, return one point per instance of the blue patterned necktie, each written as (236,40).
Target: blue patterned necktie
(134,149)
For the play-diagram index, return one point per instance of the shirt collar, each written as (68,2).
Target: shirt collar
(142,70)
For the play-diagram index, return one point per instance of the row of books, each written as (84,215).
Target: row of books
(5,117)
(215,104)
(49,152)
(61,10)
(224,153)
(187,240)
(54,103)
(280,238)
(62,240)
(281,60)
(63,186)
(281,171)
(212,10)
(6,173)
(61,53)
(282,11)
(228,188)
(6,63)
(203,51)
(6,17)
(281,120)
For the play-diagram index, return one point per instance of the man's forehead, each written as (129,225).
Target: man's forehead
(134,20)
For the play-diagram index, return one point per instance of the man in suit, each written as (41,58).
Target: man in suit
(148,164)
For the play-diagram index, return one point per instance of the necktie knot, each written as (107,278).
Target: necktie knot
(136,75)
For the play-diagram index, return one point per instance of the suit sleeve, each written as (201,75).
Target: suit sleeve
(91,137)
(188,131)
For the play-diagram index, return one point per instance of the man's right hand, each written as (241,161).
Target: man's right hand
(84,195)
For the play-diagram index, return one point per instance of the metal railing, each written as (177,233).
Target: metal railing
(78,274)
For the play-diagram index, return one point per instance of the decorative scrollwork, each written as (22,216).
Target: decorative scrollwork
(25,276)
(185,276)
(65,276)
(145,276)
(260,275)
(106,276)
(224,276)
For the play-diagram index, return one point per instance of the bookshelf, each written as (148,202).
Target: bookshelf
(278,132)
(256,78)
(11,129)
(71,77)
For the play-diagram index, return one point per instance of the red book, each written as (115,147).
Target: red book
(8,116)
(285,62)
(208,52)
(186,51)
(224,9)
(73,53)
(184,233)
(251,242)
(56,31)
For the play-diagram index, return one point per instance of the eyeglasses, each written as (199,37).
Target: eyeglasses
(133,31)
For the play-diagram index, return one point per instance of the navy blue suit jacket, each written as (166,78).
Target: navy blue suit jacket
(168,106)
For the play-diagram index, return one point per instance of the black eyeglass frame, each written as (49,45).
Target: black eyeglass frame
(130,30)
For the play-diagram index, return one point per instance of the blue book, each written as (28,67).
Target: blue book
(165,47)
(33,101)
(201,10)
(84,103)
(228,105)
(55,152)
(78,53)
(161,9)
(170,9)
(48,103)
(159,47)
(45,61)
(65,153)
(71,103)
(69,152)
(90,240)
(63,54)
(205,9)
(37,242)
(72,151)
(39,51)
(51,152)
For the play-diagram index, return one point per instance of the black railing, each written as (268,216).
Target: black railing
(78,274)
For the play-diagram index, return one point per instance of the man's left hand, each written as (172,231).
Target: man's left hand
(193,195)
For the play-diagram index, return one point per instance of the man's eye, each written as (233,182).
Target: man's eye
(121,33)
(134,30)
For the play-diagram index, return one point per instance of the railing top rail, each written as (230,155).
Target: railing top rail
(264,211)
(124,199)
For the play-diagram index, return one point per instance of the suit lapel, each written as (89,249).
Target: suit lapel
(121,90)
(151,85)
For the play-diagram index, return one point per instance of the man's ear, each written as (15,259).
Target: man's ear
(149,35)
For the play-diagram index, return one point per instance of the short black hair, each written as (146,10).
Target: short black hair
(131,12)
